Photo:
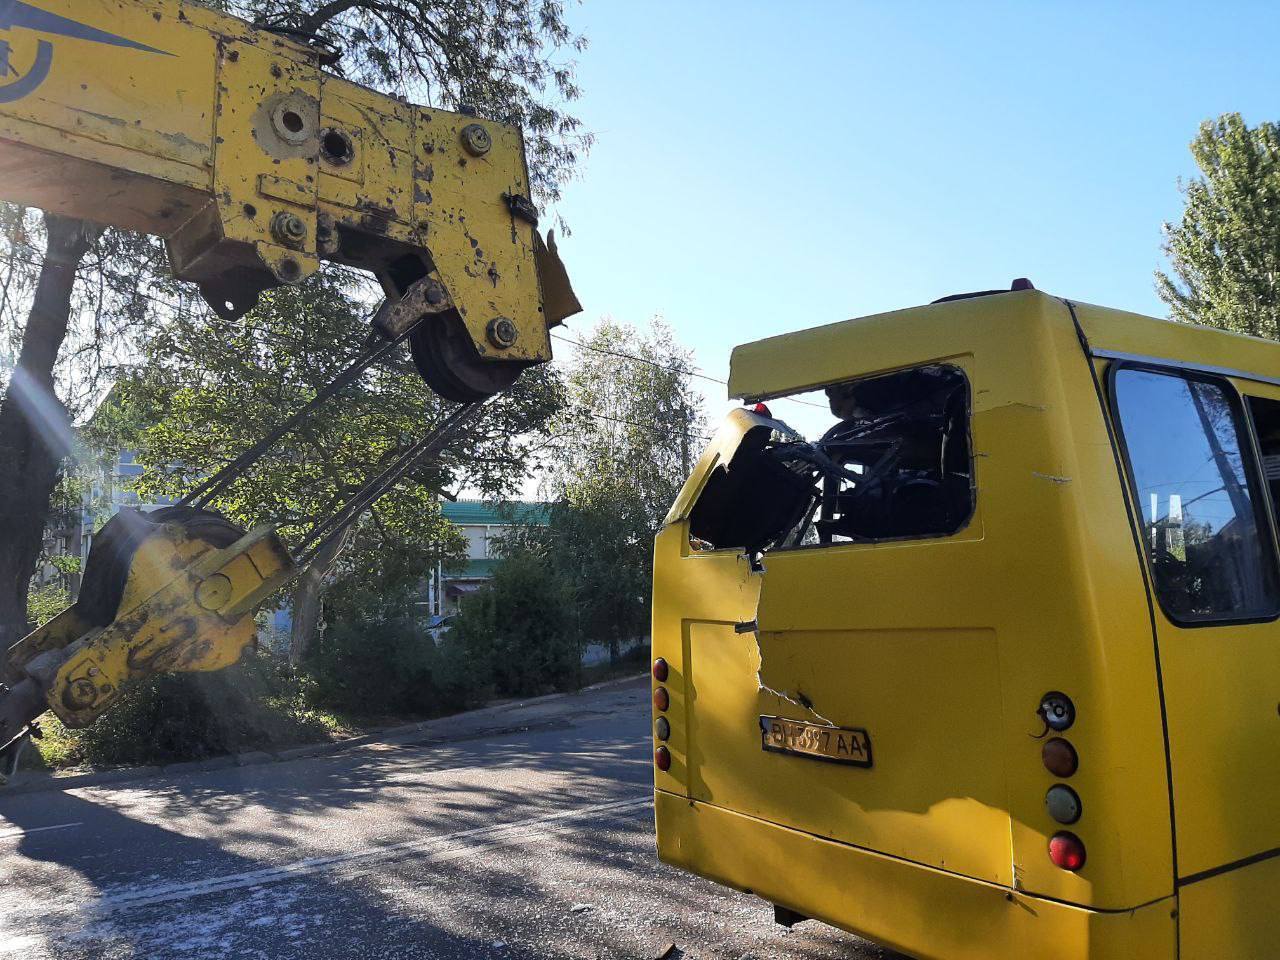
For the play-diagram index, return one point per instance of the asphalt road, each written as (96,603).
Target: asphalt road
(521,835)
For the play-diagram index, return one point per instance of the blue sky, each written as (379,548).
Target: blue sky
(764,167)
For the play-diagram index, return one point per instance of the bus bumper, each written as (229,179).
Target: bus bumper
(928,913)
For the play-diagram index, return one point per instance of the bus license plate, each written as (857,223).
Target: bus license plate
(834,744)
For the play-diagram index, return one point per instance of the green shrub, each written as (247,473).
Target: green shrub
(46,602)
(516,637)
(375,667)
(256,703)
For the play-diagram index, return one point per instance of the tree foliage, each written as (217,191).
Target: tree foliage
(514,637)
(625,442)
(1225,250)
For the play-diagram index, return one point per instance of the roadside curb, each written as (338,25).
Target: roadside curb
(37,783)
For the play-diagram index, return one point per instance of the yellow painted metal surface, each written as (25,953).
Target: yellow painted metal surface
(186,607)
(924,912)
(941,650)
(168,117)
(1232,914)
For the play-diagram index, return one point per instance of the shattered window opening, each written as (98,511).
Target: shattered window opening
(897,464)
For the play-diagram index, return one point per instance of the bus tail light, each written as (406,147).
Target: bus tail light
(1066,850)
(1059,757)
(662,758)
(661,699)
(660,670)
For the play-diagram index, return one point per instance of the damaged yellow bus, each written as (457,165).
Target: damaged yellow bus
(991,668)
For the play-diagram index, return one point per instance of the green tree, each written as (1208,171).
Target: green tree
(65,286)
(632,425)
(1225,250)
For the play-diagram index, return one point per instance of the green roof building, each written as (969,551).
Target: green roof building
(482,523)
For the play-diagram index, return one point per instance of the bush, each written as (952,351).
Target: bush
(256,703)
(515,637)
(375,667)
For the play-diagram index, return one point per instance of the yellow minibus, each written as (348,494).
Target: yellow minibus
(986,663)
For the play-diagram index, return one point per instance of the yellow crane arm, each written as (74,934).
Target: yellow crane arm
(254,164)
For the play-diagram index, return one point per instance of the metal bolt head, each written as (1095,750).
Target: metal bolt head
(476,139)
(328,240)
(289,229)
(502,332)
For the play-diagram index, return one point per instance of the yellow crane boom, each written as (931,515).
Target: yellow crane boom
(254,164)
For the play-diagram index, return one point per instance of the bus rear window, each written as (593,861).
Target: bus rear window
(1203,528)
(896,464)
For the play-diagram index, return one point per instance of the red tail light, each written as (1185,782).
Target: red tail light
(1059,757)
(761,409)
(661,699)
(662,758)
(1066,850)
(660,670)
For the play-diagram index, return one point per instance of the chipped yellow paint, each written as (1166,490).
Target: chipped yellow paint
(186,607)
(195,126)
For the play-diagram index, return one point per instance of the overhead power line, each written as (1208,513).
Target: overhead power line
(689,371)
(181,309)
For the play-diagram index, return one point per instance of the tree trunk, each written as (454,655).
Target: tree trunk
(35,433)
(307,594)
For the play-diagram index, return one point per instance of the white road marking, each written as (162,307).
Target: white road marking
(445,846)
(6,834)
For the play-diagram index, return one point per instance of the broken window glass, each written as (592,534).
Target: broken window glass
(896,464)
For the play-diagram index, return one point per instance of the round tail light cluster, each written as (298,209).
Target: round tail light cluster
(661,726)
(1062,803)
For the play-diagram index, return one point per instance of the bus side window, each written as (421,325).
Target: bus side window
(1203,528)
(1266,418)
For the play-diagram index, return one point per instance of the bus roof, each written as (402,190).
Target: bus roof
(808,359)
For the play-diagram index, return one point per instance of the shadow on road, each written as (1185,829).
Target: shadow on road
(94,914)
(223,864)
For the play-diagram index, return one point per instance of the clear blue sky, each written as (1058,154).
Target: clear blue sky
(764,167)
